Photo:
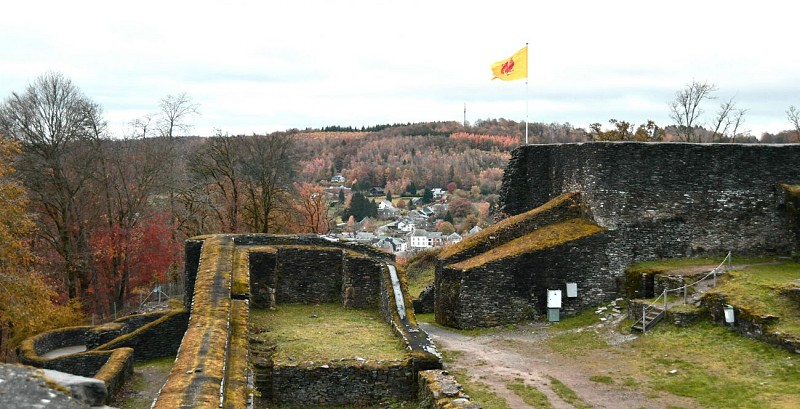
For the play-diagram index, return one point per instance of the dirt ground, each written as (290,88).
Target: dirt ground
(495,359)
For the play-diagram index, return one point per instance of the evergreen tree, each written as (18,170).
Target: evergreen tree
(360,207)
(427,196)
(412,189)
(341,196)
(448,217)
(389,195)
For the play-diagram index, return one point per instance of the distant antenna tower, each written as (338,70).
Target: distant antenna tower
(465,115)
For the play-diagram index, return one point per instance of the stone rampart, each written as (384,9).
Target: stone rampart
(211,369)
(651,201)
(720,196)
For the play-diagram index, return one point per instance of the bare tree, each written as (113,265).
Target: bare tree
(59,128)
(793,114)
(686,111)
(268,165)
(175,113)
(727,122)
(172,119)
(217,168)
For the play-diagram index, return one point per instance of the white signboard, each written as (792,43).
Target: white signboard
(572,290)
(553,298)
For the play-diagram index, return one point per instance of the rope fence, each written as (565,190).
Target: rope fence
(724,266)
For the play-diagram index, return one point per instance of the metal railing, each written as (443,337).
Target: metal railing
(724,266)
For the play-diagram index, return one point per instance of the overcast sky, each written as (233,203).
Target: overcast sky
(266,66)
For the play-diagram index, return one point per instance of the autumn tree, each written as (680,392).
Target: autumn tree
(131,170)
(312,208)
(27,304)
(58,128)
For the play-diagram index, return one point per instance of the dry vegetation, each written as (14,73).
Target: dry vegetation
(547,236)
(326,333)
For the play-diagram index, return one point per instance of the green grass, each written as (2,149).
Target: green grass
(757,290)
(678,263)
(602,379)
(324,333)
(567,394)
(718,368)
(421,270)
(480,392)
(529,394)
(584,319)
(576,343)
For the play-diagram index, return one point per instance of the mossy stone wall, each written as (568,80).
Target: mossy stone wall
(362,282)
(721,196)
(263,267)
(515,289)
(308,275)
(347,385)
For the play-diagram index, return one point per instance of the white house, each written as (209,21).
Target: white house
(405,224)
(418,240)
(454,238)
(386,210)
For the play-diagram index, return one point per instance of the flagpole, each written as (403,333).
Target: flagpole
(527,67)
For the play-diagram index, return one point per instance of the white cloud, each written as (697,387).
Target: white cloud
(263,66)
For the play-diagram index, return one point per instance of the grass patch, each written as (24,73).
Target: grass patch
(584,319)
(480,392)
(428,317)
(718,368)
(510,223)
(567,394)
(421,270)
(544,237)
(326,332)
(529,394)
(602,379)
(576,343)
(757,289)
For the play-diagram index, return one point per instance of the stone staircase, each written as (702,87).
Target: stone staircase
(653,316)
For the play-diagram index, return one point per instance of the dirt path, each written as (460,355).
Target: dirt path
(498,358)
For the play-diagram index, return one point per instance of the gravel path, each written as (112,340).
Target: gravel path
(496,359)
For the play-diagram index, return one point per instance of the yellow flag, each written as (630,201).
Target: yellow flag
(513,68)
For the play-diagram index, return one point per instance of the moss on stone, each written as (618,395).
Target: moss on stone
(793,190)
(507,224)
(545,237)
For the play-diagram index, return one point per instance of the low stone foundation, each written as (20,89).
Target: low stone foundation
(439,390)
(330,384)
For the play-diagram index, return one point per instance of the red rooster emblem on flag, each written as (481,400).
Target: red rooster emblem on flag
(507,67)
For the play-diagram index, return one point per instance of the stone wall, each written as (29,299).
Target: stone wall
(438,389)
(515,289)
(720,197)
(309,275)
(362,281)
(102,334)
(156,339)
(328,385)
(192,252)
(747,323)
(263,278)
(653,200)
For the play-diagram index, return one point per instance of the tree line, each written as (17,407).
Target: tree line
(89,220)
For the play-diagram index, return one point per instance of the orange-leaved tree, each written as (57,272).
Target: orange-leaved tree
(27,303)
